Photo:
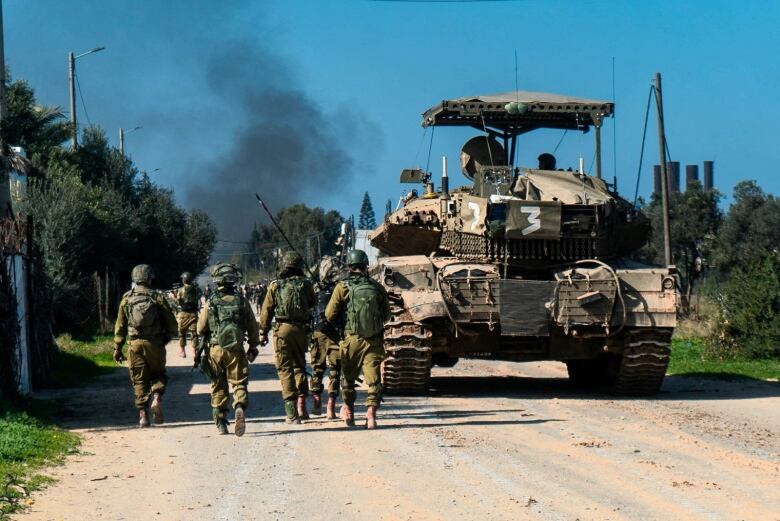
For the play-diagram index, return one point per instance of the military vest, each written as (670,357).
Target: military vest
(290,303)
(364,307)
(189,298)
(143,314)
(226,320)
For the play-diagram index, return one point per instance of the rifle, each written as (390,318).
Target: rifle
(201,360)
(289,243)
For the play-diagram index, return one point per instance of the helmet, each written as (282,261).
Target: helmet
(186,277)
(292,259)
(357,258)
(225,274)
(142,274)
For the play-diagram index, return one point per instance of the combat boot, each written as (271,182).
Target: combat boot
(316,408)
(220,420)
(157,408)
(330,408)
(143,418)
(371,417)
(302,413)
(348,415)
(291,412)
(240,421)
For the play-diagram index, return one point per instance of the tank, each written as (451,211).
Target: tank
(524,263)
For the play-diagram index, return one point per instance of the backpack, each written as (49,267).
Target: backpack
(189,298)
(364,311)
(143,315)
(290,305)
(226,321)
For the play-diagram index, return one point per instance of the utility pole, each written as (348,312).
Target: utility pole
(664,177)
(122,140)
(74,141)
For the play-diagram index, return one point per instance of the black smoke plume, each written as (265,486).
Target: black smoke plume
(288,147)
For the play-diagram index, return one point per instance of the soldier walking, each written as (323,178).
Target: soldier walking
(324,350)
(226,320)
(290,300)
(188,297)
(365,307)
(145,321)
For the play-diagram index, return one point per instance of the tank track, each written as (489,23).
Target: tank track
(638,371)
(407,365)
(641,369)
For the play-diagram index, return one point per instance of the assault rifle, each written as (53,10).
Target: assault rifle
(202,360)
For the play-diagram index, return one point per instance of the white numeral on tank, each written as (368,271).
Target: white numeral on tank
(534,223)
(474,207)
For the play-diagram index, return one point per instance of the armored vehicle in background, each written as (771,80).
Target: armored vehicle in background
(526,263)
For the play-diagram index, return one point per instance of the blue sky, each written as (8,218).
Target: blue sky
(369,68)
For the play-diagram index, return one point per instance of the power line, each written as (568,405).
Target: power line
(83,103)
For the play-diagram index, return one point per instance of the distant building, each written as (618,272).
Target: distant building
(362,243)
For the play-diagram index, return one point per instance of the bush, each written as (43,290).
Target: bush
(748,319)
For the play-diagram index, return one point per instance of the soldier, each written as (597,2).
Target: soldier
(290,300)
(188,297)
(226,319)
(546,161)
(324,350)
(145,321)
(366,307)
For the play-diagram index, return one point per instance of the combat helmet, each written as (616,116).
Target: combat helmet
(292,259)
(225,274)
(357,258)
(186,277)
(142,274)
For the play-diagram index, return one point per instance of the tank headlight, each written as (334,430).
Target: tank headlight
(668,283)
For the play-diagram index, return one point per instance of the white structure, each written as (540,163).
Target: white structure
(362,243)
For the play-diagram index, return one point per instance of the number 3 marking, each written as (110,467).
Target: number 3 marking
(534,223)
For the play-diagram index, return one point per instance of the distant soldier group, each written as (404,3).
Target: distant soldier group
(340,322)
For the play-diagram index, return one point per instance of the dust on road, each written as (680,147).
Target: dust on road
(493,441)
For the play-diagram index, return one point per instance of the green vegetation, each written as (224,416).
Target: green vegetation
(81,358)
(27,443)
(692,357)
(312,231)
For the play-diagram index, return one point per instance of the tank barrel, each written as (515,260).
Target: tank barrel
(445,181)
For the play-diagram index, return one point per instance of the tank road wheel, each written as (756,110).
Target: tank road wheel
(640,369)
(407,365)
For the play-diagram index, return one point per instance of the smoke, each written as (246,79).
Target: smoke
(287,147)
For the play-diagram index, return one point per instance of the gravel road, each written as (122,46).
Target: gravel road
(494,440)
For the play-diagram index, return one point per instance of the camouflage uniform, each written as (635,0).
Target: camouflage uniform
(358,353)
(324,351)
(188,297)
(146,352)
(290,341)
(231,365)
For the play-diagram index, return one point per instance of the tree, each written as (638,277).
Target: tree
(312,231)
(751,229)
(694,219)
(367,219)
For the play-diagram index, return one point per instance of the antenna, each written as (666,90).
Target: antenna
(517,88)
(614,128)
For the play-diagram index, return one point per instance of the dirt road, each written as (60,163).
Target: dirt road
(493,441)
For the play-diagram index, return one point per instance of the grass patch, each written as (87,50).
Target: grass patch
(28,441)
(689,358)
(81,359)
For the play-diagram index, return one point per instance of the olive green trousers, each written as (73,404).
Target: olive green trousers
(290,356)
(231,367)
(146,362)
(361,355)
(324,353)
